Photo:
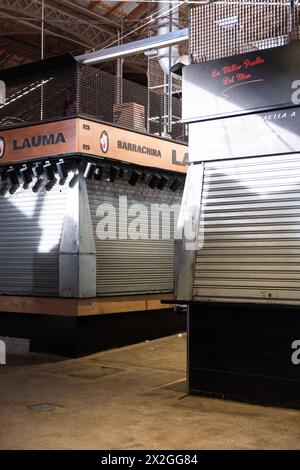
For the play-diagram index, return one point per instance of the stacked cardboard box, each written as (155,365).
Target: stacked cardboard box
(131,115)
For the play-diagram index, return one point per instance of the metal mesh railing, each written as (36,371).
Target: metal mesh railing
(125,103)
(228,27)
(39,96)
(75,90)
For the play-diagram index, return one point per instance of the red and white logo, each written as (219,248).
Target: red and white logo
(2,147)
(104,142)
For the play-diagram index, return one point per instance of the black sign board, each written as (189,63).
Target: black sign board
(243,84)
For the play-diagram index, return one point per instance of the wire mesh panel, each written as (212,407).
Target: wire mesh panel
(80,90)
(225,28)
(159,84)
(125,103)
(179,131)
(39,96)
(112,99)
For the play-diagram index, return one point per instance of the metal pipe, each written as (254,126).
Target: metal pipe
(168,22)
(43,29)
(119,83)
(135,47)
(42,56)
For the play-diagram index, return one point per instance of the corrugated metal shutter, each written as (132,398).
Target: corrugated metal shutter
(251,220)
(132,266)
(30,232)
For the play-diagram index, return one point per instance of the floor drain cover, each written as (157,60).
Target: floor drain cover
(44,407)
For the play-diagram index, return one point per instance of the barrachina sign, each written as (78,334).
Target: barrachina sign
(80,136)
(154,152)
(133,147)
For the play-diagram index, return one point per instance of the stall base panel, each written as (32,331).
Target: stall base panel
(245,353)
(76,336)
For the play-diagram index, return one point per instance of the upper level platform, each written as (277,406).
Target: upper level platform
(58,107)
(61,87)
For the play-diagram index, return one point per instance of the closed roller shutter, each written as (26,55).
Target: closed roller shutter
(132,266)
(249,241)
(30,232)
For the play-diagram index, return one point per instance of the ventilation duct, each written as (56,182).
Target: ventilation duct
(168,21)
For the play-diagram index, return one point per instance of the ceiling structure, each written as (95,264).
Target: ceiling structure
(76,26)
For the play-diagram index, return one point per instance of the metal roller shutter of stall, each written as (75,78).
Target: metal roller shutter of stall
(30,232)
(131,266)
(249,240)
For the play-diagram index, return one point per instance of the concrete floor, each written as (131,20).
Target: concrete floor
(129,398)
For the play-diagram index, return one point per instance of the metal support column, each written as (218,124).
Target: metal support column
(77,254)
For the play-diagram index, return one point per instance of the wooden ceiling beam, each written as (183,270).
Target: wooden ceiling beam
(114,9)
(137,11)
